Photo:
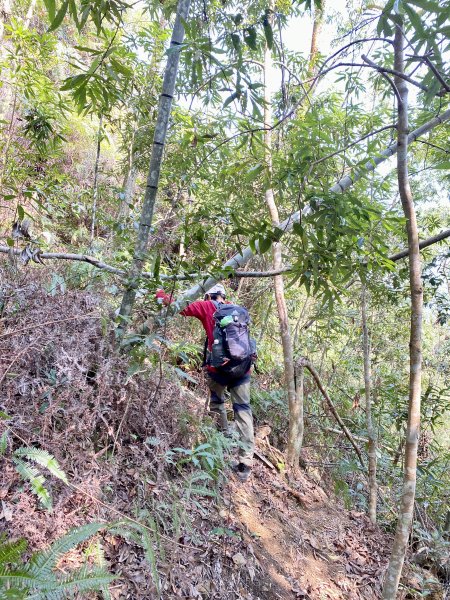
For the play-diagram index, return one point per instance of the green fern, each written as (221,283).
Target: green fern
(44,562)
(96,550)
(82,580)
(10,552)
(43,458)
(37,579)
(31,474)
(36,480)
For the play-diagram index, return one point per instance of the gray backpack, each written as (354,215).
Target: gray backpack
(233,350)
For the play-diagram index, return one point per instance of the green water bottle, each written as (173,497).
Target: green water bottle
(226,321)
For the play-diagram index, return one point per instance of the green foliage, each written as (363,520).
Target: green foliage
(98,12)
(106,77)
(96,58)
(43,458)
(37,481)
(30,473)
(38,578)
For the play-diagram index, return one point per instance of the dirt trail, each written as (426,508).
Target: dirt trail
(316,550)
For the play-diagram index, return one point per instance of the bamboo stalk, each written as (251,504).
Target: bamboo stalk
(151,190)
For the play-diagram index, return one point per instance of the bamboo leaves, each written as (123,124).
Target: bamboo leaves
(99,12)
(105,81)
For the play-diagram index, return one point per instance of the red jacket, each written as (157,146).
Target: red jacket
(200,309)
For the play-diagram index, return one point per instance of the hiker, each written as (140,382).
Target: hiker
(216,315)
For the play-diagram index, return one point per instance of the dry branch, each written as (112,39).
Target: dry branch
(146,275)
(304,362)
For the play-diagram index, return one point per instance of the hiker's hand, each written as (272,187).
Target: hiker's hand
(163,298)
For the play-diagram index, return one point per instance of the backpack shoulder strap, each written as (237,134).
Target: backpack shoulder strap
(205,352)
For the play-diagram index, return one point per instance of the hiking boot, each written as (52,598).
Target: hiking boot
(242,471)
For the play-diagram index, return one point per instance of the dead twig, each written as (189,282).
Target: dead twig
(37,325)
(16,358)
(305,363)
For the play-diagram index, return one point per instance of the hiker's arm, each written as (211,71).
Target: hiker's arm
(196,309)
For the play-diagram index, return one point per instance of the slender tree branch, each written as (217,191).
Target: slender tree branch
(361,139)
(438,75)
(162,277)
(434,146)
(304,362)
(394,72)
(425,244)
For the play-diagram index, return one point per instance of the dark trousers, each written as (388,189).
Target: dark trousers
(240,397)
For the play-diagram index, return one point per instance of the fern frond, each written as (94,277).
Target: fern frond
(202,491)
(13,594)
(42,563)
(36,480)
(10,552)
(82,580)
(3,442)
(155,528)
(43,458)
(98,554)
(147,544)
(21,578)
(127,534)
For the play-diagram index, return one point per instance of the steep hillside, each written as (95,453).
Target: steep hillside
(136,447)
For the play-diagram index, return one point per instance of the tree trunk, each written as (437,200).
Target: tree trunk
(162,121)
(296,416)
(317,28)
(293,447)
(95,184)
(371,433)
(415,353)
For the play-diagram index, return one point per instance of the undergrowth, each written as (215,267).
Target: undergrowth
(38,579)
